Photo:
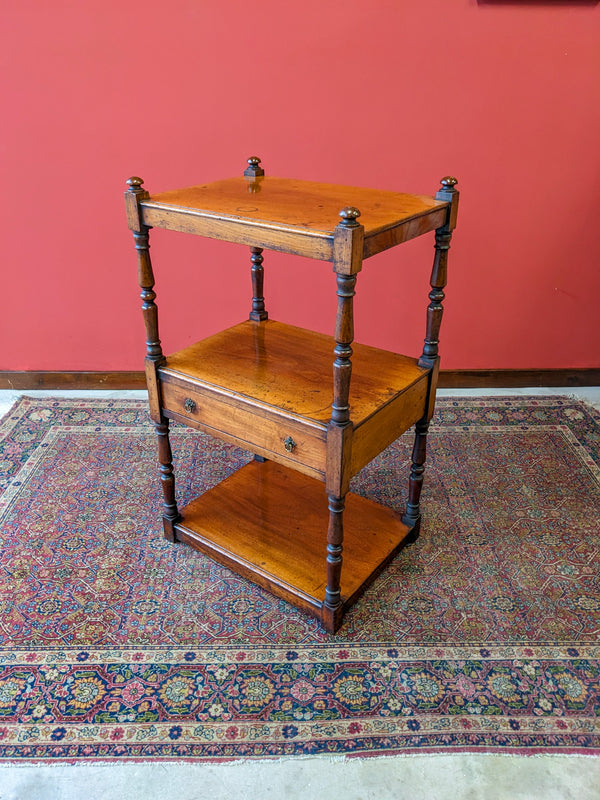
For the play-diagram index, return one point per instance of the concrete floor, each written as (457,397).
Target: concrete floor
(476,777)
(421,777)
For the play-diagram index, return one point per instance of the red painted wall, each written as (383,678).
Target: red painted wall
(390,94)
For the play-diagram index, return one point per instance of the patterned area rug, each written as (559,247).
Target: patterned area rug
(482,636)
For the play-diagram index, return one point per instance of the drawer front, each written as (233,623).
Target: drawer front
(252,425)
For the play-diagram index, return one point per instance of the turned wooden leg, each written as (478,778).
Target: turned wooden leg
(332,606)
(430,356)
(154,354)
(347,262)
(412,516)
(165,457)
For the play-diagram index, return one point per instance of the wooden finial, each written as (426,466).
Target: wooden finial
(135,184)
(349,217)
(254,170)
(448,193)
(449,183)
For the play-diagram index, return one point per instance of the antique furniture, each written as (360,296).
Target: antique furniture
(314,409)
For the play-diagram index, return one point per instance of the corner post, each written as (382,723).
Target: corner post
(347,262)
(430,356)
(133,197)
(154,355)
(439,274)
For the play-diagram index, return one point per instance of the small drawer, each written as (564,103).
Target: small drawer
(253,425)
(181,401)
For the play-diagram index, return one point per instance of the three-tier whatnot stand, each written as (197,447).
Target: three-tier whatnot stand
(313,409)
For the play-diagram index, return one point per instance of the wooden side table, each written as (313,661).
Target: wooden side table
(313,409)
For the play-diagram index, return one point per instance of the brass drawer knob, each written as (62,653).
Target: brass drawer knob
(289,444)
(189,405)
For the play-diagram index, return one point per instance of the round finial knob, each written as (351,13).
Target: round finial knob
(349,216)
(135,184)
(254,170)
(448,182)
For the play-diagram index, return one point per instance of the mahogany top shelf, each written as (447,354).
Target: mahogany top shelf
(290,215)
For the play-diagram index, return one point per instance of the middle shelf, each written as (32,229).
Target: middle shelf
(268,387)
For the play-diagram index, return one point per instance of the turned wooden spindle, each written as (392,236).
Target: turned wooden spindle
(253,174)
(148,296)
(430,356)
(335,536)
(154,353)
(412,515)
(146,281)
(439,275)
(258,312)
(344,336)
(344,333)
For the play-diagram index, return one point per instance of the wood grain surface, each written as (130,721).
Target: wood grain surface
(292,369)
(270,524)
(289,215)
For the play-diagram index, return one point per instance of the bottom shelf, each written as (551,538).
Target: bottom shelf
(269,524)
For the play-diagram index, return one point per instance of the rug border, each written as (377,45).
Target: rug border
(446,750)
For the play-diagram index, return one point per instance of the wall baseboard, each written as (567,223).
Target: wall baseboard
(449,379)
(72,380)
